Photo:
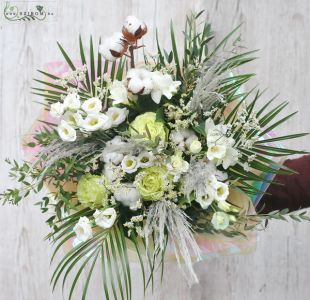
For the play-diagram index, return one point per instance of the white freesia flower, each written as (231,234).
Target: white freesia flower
(139,81)
(127,195)
(130,164)
(66,132)
(95,122)
(83,229)
(163,84)
(113,47)
(216,152)
(105,218)
(195,147)
(117,115)
(57,110)
(72,101)
(145,159)
(220,220)
(231,157)
(221,191)
(133,29)
(118,92)
(92,106)
(73,118)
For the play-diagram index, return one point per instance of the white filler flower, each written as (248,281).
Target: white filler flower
(66,132)
(117,115)
(95,122)
(113,47)
(118,92)
(83,229)
(163,84)
(127,195)
(105,218)
(57,110)
(92,106)
(139,81)
(72,101)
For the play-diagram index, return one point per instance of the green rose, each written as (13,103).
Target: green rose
(147,126)
(152,182)
(92,192)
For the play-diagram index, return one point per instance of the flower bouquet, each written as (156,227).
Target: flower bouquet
(153,158)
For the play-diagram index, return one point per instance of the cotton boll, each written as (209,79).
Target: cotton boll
(113,157)
(113,47)
(133,29)
(127,195)
(139,81)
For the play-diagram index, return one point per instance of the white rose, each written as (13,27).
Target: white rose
(66,132)
(92,106)
(72,101)
(83,229)
(113,47)
(118,92)
(220,220)
(163,84)
(139,81)
(129,164)
(221,191)
(195,147)
(57,110)
(127,195)
(106,218)
(95,122)
(117,115)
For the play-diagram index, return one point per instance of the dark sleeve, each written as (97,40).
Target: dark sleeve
(294,193)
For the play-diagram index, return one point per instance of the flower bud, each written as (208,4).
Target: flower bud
(195,147)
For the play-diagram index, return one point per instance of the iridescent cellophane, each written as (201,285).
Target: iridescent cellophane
(211,245)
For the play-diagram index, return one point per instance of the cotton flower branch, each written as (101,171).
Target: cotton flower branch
(117,45)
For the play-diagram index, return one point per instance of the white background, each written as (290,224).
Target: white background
(279,269)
